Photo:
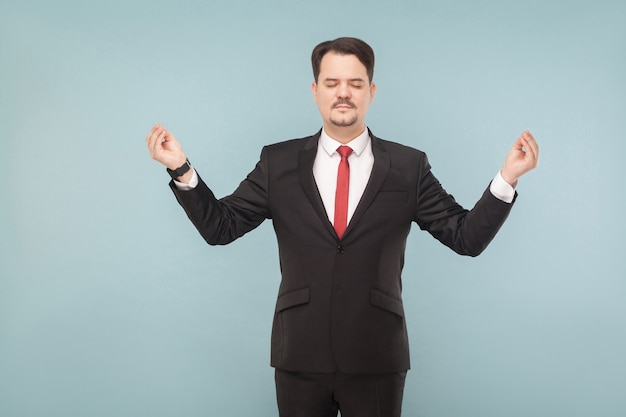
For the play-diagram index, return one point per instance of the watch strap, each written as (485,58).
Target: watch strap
(180,171)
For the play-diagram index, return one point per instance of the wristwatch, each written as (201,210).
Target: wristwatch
(180,171)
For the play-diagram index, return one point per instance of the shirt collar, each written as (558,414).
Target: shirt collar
(357,144)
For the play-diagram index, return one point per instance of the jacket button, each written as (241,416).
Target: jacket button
(340,249)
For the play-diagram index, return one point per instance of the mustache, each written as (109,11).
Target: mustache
(343,102)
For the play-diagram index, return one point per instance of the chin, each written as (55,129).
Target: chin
(344,122)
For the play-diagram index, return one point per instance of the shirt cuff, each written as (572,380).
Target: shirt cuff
(193,182)
(501,189)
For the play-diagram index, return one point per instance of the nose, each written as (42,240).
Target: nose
(343,91)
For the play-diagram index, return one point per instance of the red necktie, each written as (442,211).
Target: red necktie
(341,195)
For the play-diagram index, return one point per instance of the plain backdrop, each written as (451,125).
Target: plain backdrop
(112,305)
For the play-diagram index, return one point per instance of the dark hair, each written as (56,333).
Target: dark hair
(344,46)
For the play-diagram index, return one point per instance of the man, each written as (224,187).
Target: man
(342,203)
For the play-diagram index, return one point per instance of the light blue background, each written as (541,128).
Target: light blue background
(112,305)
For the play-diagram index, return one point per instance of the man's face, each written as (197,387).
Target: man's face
(343,93)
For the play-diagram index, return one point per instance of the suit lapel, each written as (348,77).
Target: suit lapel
(379,173)
(306,158)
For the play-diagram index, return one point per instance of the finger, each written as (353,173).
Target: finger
(151,132)
(527,134)
(518,145)
(532,145)
(167,136)
(150,139)
(155,140)
(532,149)
(530,158)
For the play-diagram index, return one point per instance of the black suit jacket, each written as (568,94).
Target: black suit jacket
(339,305)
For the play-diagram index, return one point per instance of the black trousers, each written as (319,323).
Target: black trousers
(302,394)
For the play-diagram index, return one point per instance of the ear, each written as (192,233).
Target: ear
(314,90)
(372,91)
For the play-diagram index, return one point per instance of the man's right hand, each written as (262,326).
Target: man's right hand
(164,148)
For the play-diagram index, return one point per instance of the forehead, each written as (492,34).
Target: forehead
(338,66)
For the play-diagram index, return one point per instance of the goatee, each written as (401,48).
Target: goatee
(344,122)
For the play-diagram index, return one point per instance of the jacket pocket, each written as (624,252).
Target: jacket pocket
(387,302)
(292,299)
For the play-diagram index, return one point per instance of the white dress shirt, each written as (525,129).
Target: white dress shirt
(326,164)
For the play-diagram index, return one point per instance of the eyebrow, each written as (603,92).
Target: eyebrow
(337,79)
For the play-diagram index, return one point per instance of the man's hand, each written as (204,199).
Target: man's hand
(523,157)
(164,148)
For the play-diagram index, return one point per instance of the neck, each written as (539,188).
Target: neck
(342,134)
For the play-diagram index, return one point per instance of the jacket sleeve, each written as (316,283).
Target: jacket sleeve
(467,232)
(221,221)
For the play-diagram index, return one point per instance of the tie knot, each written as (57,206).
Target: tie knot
(344,151)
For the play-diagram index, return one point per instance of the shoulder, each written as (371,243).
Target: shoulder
(396,149)
(291,145)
